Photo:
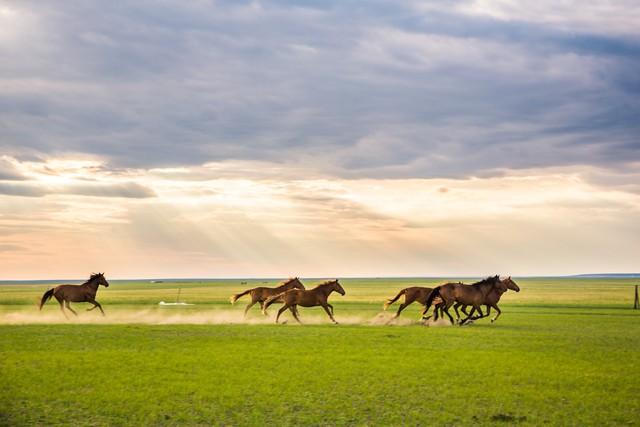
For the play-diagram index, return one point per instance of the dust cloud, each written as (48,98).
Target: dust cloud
(172,316)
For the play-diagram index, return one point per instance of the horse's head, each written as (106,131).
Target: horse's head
(510,284)
(295,283)
(337,287)
(498,284)
(99,278)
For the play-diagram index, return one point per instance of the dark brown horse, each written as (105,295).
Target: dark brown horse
(492,299)
(77,293)
(262,293)
(411,295)
(306,298)
(473,295)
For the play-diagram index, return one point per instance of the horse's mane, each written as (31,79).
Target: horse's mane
(289,280)
(488,281)
(95,276)
(328,282)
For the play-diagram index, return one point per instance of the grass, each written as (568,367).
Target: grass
(564,352)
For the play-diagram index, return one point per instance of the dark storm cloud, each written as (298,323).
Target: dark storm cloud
(376,90)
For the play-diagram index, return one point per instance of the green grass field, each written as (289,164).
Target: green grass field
(565,351)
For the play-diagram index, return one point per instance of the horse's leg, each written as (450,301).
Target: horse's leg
(294,310)
(446,311)
(424,313)
(68,304)
(96,304)
(488,310)
(464,310)
(479,308)
(251,304)
(329,313)
(395,316)
(282,309)
(470,318)
(262,308)
(455,307)
(61,302)
(331,307)
(497,309)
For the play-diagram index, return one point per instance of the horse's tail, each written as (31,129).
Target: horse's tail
(46,297)
(235,297)
(271,300)
(434,293)
(391,301)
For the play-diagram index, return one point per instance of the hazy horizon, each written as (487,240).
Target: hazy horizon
(320,139)
(190,279)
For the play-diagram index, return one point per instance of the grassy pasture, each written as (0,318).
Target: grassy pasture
(565,351)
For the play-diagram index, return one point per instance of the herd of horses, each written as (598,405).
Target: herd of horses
(292,293)
(460,296)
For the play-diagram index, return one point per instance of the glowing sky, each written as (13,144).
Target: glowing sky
(332,139)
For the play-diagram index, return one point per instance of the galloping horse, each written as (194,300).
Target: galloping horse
(474,295)
(492,299)
(261,294)
(411,295)
(306,298)
(77,293)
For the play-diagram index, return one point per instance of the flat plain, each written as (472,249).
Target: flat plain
(565,351)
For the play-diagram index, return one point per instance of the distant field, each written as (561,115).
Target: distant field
(565,351)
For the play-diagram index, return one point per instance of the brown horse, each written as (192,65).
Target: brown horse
(77,293)
(493,297)
(474,295)
(306,298)
(411,295)
(262,293)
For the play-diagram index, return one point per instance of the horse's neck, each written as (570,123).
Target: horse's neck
(485,288)
(92,285)
(286,286)
(326,290)
(497,292)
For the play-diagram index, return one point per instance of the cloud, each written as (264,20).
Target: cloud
(68,176)
(7,247)
(32,189)
(128,190)
(236,226)
(24,190)
(394,90)
(601,16)
(8,171)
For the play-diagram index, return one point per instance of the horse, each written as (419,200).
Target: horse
(306,298)
(411,295)
(261,294)
(474,295)
(493,297)
(77,293)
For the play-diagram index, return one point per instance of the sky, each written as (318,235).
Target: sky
(150,139)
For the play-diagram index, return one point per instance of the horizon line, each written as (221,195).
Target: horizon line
(584,275)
